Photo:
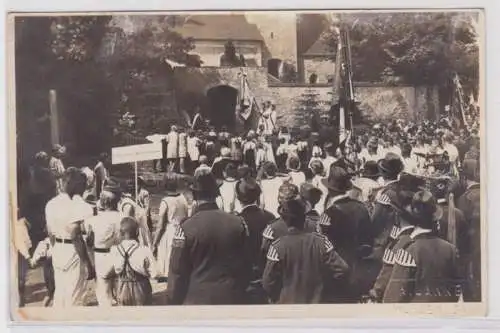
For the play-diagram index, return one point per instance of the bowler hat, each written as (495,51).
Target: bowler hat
(391,164)
(424,207)
(205,182)
(247,190)
(338,179)
(370,169)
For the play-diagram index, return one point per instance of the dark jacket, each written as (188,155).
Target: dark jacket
(425,271)
(219,167)
(209,263)
(278,228)
(383,218)
(347,225)
(401,240)
(301,268)
(470,204)
(257,220)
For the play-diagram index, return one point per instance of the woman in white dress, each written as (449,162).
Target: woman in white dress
(65,216)
(173,210)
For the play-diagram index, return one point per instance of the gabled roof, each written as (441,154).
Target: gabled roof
(319,48)
(219,27)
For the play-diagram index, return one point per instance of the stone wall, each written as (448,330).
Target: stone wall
(377,101)
(323,68)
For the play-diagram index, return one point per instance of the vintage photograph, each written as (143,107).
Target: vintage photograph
(260,158)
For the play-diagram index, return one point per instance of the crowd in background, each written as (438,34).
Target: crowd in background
(273,216)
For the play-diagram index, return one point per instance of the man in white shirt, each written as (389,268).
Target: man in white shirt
(103,229)
(172,148)
(228,189)
(330,157)
(270,187)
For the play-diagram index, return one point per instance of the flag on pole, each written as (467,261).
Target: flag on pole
(340,86)
(457,105)
(246,100)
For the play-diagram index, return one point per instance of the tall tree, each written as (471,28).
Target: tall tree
(412,48)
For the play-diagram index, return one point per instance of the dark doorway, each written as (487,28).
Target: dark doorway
(222,107)
(273,67)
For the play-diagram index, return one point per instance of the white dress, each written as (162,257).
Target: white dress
(173,210)
(63,215)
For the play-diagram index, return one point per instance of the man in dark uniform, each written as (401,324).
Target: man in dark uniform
(426,269)
(257,219)
(301,266)
(383,215)
(209,263)
(347,224)
(452,226)
(400,238)
(470,204)
(278,227)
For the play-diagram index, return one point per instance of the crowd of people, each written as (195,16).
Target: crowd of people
(272,216)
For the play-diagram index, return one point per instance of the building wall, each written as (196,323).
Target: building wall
(279,30)
(323,68)
(377,102)
(211,51)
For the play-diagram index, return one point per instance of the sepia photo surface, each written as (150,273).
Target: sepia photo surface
(252,165)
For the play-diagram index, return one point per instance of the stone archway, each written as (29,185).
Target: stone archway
(221,108)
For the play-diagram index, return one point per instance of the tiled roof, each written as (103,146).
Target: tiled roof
(219,27)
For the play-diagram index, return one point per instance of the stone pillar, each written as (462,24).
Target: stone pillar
(55,134)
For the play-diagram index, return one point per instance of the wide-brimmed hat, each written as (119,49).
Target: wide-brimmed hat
(424,207)
(248,190)
(338,179)
(370,170)
(391,164)
(205,182)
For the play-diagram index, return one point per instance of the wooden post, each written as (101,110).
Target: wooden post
(136,182)
(54,118)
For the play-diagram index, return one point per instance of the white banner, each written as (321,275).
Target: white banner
(135,153)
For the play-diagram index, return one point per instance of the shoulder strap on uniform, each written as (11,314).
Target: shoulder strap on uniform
(328,245)
(383,199)
(389,257)
(272,254)
(179,237)
(268,233)
(404,258)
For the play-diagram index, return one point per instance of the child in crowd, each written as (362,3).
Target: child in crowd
(203,165)
(135,266)
(297,176)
